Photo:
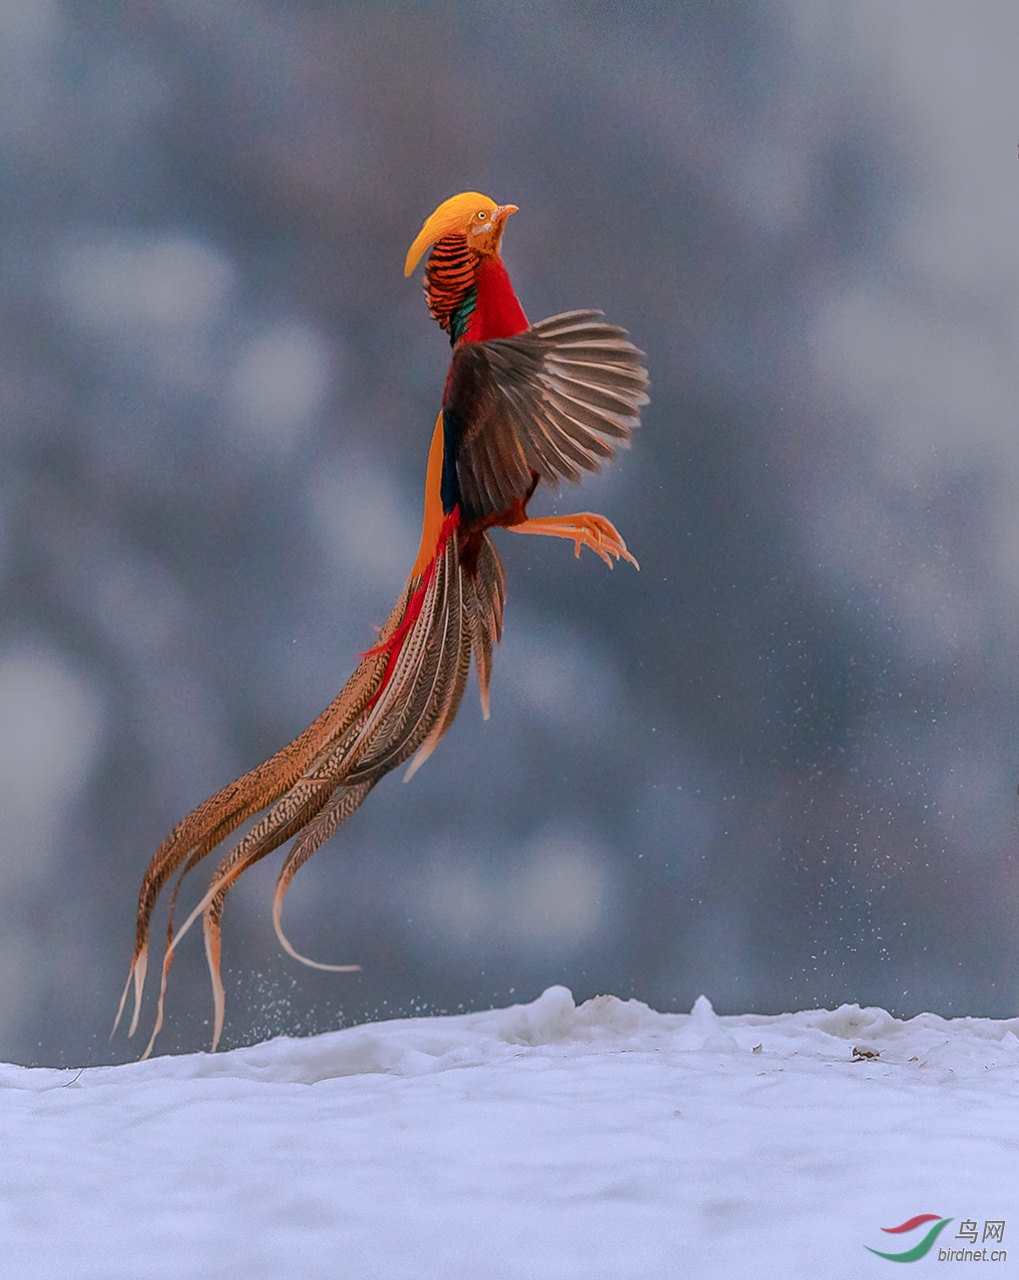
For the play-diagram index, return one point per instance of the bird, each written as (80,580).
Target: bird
(523,404)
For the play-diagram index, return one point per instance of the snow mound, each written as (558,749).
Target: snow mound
(545,1140)
(413,1046)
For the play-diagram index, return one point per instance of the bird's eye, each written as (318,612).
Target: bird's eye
(482,215)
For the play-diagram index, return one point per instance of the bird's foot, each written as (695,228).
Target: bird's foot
(587,530)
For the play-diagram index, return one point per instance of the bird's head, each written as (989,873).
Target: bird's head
(469,214)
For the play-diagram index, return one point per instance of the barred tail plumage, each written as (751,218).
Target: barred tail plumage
(401,699)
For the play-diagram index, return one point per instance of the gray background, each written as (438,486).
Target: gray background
(778,766)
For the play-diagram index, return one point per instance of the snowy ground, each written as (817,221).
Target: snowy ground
(543,1140)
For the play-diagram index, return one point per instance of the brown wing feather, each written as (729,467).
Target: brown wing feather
(553,402)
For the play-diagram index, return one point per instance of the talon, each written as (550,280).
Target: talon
(584,530)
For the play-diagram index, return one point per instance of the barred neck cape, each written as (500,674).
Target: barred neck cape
(451,287)
(523,405)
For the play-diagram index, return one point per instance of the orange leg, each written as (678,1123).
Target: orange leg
(586,530)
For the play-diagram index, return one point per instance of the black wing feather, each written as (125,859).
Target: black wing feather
(551,402)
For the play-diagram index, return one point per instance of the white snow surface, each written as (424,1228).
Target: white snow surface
(543,1140)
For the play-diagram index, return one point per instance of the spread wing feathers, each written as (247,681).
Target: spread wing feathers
(551,402)
(401,699)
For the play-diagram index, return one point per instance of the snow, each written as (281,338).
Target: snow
(542,1140)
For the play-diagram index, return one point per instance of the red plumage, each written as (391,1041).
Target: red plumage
(522,405)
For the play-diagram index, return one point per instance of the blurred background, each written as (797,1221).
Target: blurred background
(778,765)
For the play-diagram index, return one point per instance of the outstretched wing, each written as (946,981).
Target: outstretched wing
(549,403)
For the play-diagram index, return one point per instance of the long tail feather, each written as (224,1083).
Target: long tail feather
(211,822)
(288,816)
(449,695)
(399,702)
(339,809)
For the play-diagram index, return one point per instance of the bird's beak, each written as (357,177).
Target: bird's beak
(503,212)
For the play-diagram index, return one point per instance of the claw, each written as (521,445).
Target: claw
(586,530)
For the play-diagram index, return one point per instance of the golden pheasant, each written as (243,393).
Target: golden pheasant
(522,404)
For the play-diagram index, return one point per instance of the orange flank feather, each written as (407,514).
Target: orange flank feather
(431,525)
(523,405)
